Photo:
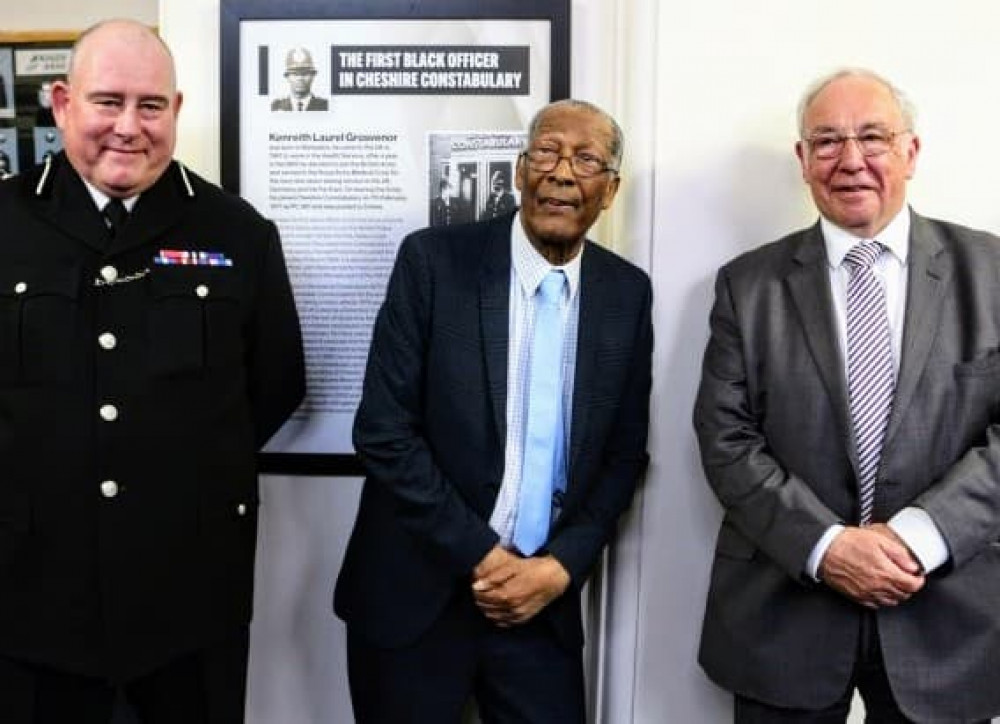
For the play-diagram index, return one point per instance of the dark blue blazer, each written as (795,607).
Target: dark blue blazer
(431,428)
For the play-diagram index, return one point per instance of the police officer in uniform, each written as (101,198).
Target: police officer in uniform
(500,201)
(146,353)
(300,73)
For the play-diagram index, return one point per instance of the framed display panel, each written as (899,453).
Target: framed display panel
(29,62)
(353,123)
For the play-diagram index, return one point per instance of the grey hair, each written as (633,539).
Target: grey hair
(906,108)
(617,137)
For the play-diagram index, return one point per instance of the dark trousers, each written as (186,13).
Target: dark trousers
(204,687)
(518,674)
(869,678)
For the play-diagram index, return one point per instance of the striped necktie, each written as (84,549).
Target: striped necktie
(871,376)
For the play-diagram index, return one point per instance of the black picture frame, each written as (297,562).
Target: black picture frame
(234,12)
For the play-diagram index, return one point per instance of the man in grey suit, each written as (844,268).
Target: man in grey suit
(847,418)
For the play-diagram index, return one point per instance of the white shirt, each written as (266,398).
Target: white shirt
(913,525)
(527,270)
(101,199)
(889,268)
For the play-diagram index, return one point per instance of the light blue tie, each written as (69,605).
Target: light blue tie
(543,469)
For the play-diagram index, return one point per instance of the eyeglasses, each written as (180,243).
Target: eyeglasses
(872,142)
(583,165)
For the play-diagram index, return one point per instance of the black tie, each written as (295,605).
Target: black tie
(116,215)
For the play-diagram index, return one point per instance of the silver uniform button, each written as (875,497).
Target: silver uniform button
(107,340)
(20,288)
(201,290)
(241,509)
(109,413)
(109,273)
(109,488)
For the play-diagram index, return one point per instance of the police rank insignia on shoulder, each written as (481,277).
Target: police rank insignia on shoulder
(190,257)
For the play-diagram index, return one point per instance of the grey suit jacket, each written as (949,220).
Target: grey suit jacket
(774,429)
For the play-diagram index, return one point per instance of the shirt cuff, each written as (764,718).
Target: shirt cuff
(819,550)
(921,535)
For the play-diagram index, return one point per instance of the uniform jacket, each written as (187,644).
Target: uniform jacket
(774,427)
(430,429)
(285,104)
(456,211)
(498,205)
(133,397)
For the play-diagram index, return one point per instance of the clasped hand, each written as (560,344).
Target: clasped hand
(872,566)
(511,590)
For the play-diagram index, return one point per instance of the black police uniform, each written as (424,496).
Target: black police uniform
(133,398)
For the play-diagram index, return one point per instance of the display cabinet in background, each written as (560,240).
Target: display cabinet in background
(29,63)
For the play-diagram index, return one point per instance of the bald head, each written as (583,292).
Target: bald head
(117,108)
(121,30)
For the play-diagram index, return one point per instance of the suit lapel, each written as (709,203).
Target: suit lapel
(494,317)
(590,331)
(927,280)
(809,285)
